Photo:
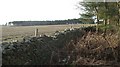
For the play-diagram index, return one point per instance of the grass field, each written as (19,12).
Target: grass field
(18,32)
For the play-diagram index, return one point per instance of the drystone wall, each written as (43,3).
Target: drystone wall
(38,50)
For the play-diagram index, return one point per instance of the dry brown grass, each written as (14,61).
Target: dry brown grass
(26,30)
(18,32)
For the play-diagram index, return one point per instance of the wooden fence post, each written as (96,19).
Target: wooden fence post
(36,32)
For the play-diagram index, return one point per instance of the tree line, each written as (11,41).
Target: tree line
(55,22)
(109,12)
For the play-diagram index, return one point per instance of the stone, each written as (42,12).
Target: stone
(15,41)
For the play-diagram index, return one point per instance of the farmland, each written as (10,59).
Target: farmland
(18,32)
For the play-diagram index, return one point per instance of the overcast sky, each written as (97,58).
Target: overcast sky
(25,10)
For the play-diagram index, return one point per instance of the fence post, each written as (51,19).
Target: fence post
(36,32)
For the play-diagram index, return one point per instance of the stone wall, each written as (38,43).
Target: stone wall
(38,50)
